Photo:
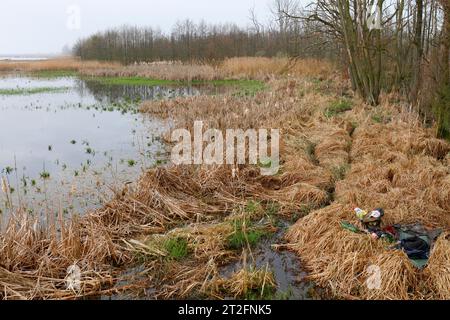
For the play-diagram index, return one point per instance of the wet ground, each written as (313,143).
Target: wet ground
(65,143)
(290,277)
(291,280)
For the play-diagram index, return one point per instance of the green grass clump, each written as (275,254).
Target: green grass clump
(253,208)
(266,293)
(45,175)
(176,248)
(54,73)
(381,118)
(244,233)
(30,91)
(338,107)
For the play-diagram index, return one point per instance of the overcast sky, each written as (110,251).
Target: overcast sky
(46,26)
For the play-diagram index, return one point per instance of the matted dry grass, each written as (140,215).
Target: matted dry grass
(328,168)
(396,166)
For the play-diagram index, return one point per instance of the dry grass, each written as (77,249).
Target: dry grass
(396,166)
(35,258)
(234,68)
(160,71)
(261,68)
(330,164)
(62,64)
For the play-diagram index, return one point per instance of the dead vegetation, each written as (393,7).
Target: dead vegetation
(175,71)
(396,166)
(60,64)
(234,69)
(179,221)
(260,67)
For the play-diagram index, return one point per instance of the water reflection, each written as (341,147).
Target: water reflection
(117,93)
(64,150)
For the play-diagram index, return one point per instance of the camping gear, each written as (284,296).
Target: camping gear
(351,227)
(370,219)
(376,234)
(416,241)
(360,213)
(373,219)
(416,248)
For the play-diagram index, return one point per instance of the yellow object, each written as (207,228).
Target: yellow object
(360,213)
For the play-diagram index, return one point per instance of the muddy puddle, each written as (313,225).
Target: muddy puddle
(290,277)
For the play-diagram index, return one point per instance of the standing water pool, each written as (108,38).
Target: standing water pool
(65,143)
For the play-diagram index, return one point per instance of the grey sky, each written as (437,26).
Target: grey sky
(40,26)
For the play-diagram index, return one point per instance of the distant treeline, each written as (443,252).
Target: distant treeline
(189,41)
(400,46)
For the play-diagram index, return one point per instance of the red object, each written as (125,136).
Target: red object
(391,230)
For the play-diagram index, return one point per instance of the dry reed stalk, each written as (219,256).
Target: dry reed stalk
(167,71)
(252,67)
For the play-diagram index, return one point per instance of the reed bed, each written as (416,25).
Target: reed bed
(60,64)
(330,164)
(176,71)
(261,68)
(232,68)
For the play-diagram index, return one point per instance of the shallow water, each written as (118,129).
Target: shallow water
(64,148)
(290,276)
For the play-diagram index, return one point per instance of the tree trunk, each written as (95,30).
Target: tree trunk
(418,54)
(446,41)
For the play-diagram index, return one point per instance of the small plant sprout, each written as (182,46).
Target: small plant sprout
(45,175)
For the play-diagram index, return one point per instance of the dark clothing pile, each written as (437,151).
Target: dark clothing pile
(414,239)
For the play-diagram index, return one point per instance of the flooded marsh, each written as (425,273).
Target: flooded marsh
(66,142)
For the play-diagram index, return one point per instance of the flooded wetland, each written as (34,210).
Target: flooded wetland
(67,142)
(70,144)
(279,151)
